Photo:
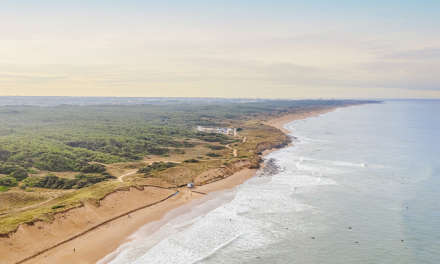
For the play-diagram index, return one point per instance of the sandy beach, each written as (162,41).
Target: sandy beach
(95,245)
(280,121)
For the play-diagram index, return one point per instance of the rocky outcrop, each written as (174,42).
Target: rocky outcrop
(270,169)
(264,145)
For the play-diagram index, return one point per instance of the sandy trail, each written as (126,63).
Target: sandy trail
(234,151)
(120,178)
(244,139)
(98,243)
(30,206)
(166,161)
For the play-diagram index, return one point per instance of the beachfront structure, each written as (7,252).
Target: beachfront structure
(220,130)
(190,185)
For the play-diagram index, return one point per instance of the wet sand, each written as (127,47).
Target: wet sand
(280,121)
(96,244)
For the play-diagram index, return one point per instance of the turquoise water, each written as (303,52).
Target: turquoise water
(372,168)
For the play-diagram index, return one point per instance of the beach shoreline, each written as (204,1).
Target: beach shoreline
(99,243)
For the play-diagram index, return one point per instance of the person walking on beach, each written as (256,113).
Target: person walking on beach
(73,250)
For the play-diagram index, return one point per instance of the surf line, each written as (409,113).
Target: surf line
(217,248)
(93,228)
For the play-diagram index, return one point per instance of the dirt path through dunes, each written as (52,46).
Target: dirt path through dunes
(71,225)
(234,151)
(235,131)
(166,161)
(30,206)
(120,178)
(244,139)
(95,245)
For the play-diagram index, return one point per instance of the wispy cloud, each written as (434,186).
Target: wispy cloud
(426,55)
(272,49)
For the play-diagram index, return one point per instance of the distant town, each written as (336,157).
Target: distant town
(72,100)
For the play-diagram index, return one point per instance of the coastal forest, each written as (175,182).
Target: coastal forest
(68,138)
(53,158)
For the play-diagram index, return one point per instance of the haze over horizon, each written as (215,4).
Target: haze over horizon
(250,49)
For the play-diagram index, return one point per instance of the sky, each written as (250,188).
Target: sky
(265,49)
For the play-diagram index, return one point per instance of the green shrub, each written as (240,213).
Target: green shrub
(51,181)
(156,166)
(157,151)
(212,154)
(4,188)
(215,147)
(8,181)
(32,171)
(8,168)
(91,168)
(20,174)
(176,151)
(30,181)
(190,161)
(58,206)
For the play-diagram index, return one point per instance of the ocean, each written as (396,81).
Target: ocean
(360,185)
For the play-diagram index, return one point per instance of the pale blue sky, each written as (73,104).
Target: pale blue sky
(290,49)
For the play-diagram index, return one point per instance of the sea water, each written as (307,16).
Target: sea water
(360,185)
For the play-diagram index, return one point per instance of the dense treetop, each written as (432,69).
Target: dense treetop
(68,138)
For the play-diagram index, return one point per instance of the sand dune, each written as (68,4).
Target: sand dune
(96,244)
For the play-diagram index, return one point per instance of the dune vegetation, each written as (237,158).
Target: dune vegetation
(56,158)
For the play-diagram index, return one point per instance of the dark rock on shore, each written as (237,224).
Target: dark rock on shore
(270,169)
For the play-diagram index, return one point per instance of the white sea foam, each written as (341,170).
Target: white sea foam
(334,162)
(323,188)
(249,217)
(217,248)
(215,224)
(217,229)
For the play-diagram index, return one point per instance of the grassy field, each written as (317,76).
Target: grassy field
(64,201)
